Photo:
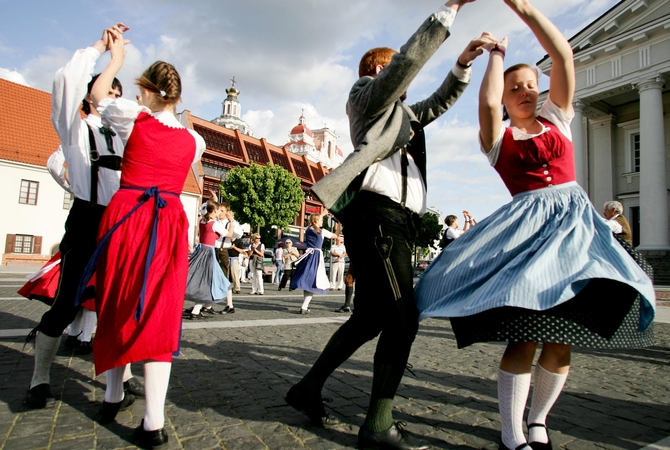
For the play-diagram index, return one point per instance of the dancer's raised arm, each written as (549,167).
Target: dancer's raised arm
(490,94)
(562,82)
(115,44)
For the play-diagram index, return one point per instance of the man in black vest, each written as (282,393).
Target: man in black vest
(378,194)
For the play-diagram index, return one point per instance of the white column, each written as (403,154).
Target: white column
(601,182)
(577,128)
(653,183)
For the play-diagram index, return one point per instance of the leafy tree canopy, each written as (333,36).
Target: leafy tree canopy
(263,196)
(431,230)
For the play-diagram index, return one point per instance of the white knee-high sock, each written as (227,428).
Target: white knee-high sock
(547,387)
(229,299)
(307,297)
(88,322)
(45,352)
(114,391)
(76,325)
(156,377)
(512,395)
(127,373)
(196,309)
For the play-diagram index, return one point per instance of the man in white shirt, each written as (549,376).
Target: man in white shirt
(337,254)
(229,230)
(452,232)
(93,157)
(379,194)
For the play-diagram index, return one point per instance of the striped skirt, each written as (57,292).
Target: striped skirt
(543,268)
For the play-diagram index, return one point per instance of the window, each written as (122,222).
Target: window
(644,57)
(68,199)
(635,152)
(23,244)
(616,68)
(590,76)
(28,193)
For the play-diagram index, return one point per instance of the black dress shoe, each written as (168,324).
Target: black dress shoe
(149,439)
(540,445)
(395,438)
(108,411)
(133,386)
(85,348)
(311,407)
(344,309)
(70,343)
(39,396)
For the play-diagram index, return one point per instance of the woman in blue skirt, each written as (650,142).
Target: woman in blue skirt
(310,273)
(544,268)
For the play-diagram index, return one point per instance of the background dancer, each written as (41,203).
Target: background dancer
(206,283)
(545,267)
(289,257)
(378,194)
(310,269)
(141,274)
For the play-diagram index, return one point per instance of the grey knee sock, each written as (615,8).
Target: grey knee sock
(45,352)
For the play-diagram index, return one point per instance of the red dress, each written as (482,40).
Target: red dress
(155,156)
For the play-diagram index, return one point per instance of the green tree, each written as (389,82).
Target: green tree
(430,231)
(263,196)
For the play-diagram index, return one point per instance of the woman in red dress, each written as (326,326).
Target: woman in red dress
(143,247)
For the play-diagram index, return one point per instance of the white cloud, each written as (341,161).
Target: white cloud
(14,76)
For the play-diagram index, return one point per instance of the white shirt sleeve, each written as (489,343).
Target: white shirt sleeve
(56,167)
(326,234)
(615,226)
(120,114)
(446,16)
(219,228)
(558,117)
(453,233)
(493,154)
(200,145)
(237,230)
(69,90)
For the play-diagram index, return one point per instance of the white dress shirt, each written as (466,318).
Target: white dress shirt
(69,90)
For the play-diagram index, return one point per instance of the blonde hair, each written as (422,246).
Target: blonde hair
(313,219)
(163,79)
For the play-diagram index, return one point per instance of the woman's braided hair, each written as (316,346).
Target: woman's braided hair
(163,79)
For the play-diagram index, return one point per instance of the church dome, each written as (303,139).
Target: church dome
(301,128)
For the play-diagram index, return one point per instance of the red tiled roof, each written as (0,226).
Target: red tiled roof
(26,133)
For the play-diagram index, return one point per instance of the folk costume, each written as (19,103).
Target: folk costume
(310,272)
(545,267)
(143,251)
(206,282)
(93,156)
(378,193)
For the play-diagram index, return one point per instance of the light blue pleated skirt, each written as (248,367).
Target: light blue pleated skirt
(206,282)
(534,253)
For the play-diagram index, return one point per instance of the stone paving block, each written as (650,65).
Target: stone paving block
(70,425)
(190,430)
(200,442)
(244,443)
(32,442)
(78,443)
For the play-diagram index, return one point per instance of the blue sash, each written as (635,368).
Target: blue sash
(159,202)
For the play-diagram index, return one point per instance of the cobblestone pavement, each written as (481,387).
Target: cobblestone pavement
(227,387)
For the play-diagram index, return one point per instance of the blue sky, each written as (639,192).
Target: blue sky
(288,56)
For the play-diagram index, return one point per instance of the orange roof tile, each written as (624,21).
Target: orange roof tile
(26,133)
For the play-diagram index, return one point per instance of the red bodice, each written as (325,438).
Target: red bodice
(157,155)
(207,234)
(539,162)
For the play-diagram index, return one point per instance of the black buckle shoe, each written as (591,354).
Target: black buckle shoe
(108,411)
(344,309)
(149,439)
(311,407)
(520,447)
(134,387)
(39,396)
(85,348)
(395,438)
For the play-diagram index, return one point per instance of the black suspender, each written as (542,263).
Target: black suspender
(112,161)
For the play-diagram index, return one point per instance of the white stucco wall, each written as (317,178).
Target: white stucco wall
(45,219)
